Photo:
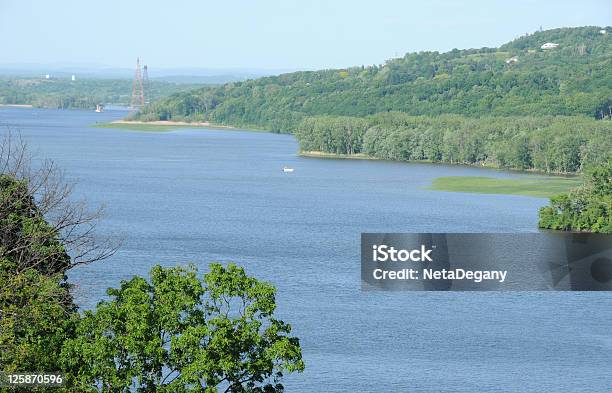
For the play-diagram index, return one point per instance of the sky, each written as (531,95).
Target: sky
(269,34)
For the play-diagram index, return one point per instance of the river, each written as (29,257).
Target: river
(202,195)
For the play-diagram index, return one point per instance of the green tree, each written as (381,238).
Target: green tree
(178,333)
(35,302)
(37,312)
(586,208)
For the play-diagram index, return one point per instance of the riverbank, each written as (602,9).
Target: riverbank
(363,156)
(541,185)
(320,154)
(16,106)
(158,126)
(170,123)
(165,125)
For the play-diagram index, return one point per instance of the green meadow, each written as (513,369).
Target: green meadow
(542,187)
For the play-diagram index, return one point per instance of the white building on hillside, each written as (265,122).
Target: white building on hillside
(549,45)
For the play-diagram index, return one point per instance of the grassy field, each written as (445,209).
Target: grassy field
(542,187)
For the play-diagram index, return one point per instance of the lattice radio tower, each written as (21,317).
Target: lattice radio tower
(146,85)
(137,90)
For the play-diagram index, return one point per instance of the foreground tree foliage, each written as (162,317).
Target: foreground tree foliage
(178,333)
(586,208)
(37,312)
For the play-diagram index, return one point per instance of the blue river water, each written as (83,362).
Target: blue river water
(196,196)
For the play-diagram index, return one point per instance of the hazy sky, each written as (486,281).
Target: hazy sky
(269,34)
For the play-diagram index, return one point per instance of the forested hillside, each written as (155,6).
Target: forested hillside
(506,88)
(574,78)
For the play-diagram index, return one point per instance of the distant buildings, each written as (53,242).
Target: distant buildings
(511,60)
(48,76)
(549,45)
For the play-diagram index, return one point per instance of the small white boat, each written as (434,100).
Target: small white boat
(99,108)
(287,169)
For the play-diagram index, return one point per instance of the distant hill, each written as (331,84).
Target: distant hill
(517,79)
(63,93)
(202,79)
(26,83)
(175,75)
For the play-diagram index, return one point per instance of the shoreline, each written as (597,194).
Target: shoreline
(16,106)
(171,123)
(363,156)
(339,156)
